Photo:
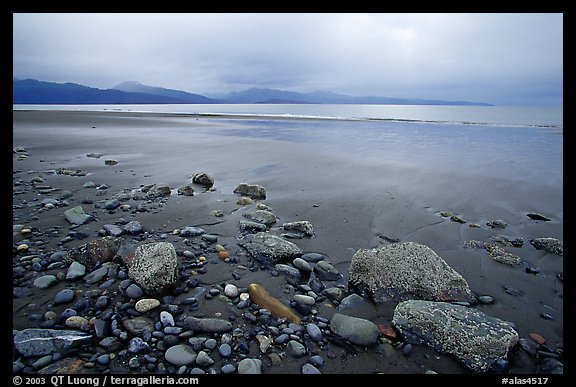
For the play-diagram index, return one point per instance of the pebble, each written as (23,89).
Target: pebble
(77,322)
(64,296)
(75,270)
(296,349)
(228,369)
(146,304)
(103,360)
(225,350)
(134,291)
(486,300)
(45,281)
(317,360)
(250,366)
(231,290)
(166,319)
(309,369)
(314,332)
(203,359)
(180,354)
(302,265)
(407,349)
(138,345)
(42,362)
(305,300)
(210,343)
(537,338)
(313,257)
(264,342)
(134,227)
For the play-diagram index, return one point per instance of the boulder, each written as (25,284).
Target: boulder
(407,270)
(551,245)
(268,248)
(153,267)
(203,179)
(39,342)
(477,340)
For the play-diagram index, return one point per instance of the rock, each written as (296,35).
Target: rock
(268,248)
(112,230)
(305,300)
(474,338)
(336,294)
(304,226)
(314,332)
(204,360)
(77,322)
(70,172)
(180,355)
(39,342)
(64,366)
(356,330)
(203,179)
(112,204)
(139,326)
(302,265)
(134,227)
(264,342)
(45,281)
(249,226)
(261,216)
(208,325)
(253,191)
(260,296)
(313,257)
(295,349)
(96,276)
(498,223)
(95,252)
(486,300)
(146,305)
(288,271)
(326,272)
(228,369)
(75,270)
(551,245)
(535,216)
(500,255)
(76,215)
(153,267)
(244,201)
(158,190)
(225,350)
(250,366)
(537,338)
(190,231)
(167,319)
(309,369)
(407,270)
(231,290)
(64,296)
(457,219)
(186,190)
(134,291)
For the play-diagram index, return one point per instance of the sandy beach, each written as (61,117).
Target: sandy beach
(353,203)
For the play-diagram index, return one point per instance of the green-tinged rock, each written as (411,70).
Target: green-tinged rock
(253,191)
(356,330)
(500,255)
(474,338)
(76,215)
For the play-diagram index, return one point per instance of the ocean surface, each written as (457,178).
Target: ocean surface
(524,144)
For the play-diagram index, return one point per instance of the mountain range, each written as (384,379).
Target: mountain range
(32,91)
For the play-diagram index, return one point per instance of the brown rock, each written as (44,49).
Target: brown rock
(537,338)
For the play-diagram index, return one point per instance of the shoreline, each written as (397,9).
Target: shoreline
(352,203)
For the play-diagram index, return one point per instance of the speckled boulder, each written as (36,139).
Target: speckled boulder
(551,245)
(474,338)
(404,271)
(153,267)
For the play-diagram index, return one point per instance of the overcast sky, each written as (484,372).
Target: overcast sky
(496,58)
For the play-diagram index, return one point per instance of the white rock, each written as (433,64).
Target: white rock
(231,291)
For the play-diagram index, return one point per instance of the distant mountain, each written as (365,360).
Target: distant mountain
(137,87)
(31,91)
(256,95)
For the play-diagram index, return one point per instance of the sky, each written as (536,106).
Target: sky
(503,59)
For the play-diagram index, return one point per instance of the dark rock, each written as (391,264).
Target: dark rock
(313,257)
(535,216)
(134,227)
(356,330)
(64,296)
(39,342)
(550,245)
(95,252)
(203,179)
(268,248)
(253,191)
(208,325)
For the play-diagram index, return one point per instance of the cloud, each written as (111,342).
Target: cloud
(445,56)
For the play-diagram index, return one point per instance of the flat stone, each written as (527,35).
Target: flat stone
(208,325)
(303,226)
(250,366)
(45,281)
(39,342)
(139,326)
(407,270)
(76,215)
(535,216)
(261,216)
(356,330)
(477,340)
(313,257)
(180,355)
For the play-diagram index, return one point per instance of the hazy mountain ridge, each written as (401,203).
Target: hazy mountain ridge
(31,91)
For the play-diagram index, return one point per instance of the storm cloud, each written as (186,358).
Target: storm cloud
(494,58)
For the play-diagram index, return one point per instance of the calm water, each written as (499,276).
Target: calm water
(480,115)
(519,143)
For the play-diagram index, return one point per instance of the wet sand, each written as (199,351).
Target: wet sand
(352,203)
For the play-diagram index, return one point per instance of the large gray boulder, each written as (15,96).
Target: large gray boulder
(474,338)
(404,271)
(268,248)
(153,267)
(39,342)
